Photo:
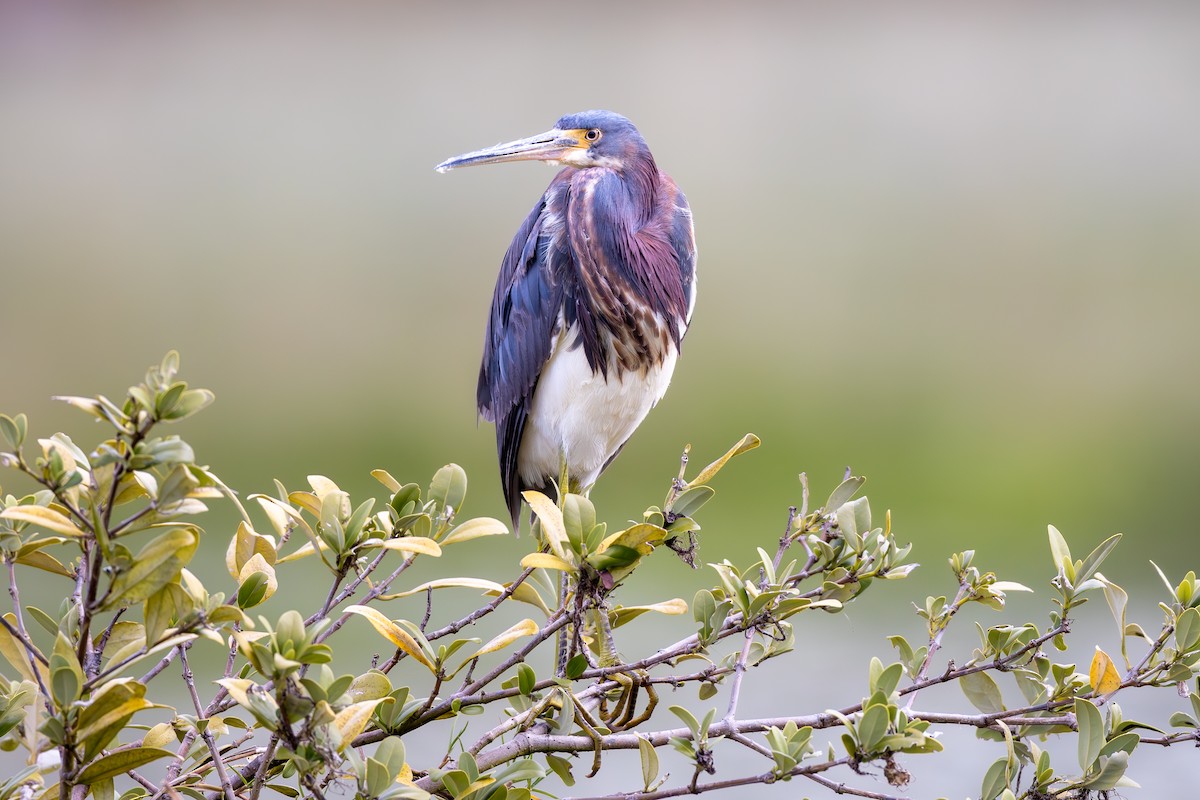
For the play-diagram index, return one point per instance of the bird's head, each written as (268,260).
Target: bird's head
(586,139)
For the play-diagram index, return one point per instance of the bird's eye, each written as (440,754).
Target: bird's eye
(593,135)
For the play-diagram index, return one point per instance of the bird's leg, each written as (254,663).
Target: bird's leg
(623,715)
(591,728)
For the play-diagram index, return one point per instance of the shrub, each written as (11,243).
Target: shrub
(539,703)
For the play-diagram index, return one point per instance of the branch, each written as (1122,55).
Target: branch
(739,672)
(693,788)
(218,763)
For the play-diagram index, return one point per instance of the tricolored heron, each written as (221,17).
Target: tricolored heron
(593,299)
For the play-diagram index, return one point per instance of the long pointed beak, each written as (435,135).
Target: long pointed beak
(548,146)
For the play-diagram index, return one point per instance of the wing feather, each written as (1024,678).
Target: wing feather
(521,330)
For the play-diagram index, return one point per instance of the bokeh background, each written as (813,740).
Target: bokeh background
(951,246)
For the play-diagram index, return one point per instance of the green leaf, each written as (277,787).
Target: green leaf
(1091,732)
(691,500)
(1187,630)
(526,679)
(1060,553)
(982,691)
(872,727)
(109,710)
(561,768)
(995,780)
(649,757)
(576,666)
(120,762)
(1112,770)
(49,623)
(13,429)
(688,718)
(156,564)
(1121,743)
(1095,559)
(66,676)
(845,490)
(187,404)
(449,486)
(158,610)
(888,679)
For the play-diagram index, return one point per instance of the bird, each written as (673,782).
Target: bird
(594,297)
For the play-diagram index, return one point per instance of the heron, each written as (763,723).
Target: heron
(594,296)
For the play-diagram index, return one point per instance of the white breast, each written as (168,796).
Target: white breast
(584,416)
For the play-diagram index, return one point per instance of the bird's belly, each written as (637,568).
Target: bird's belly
(582,415)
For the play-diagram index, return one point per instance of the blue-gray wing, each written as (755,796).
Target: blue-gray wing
(520,332)
(683,242)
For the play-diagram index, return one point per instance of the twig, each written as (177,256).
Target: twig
(766,778)
(22,635)
(739,672)
(218,762)
(841,788)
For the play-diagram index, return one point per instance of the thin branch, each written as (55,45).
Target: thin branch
(739,672)
(218,762)
(841,788)
(482,611)
(700,788)
(162,664)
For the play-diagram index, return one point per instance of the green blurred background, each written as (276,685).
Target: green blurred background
(952,246)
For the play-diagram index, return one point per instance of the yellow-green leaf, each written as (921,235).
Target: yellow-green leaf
(421,545)
(524,593)
(443,583)
(238,688)
(475,528)
(124,633)
(1060,552)
(244,544)
(1103,673)
(159,735)
(371,685)
(546,561)
(553,527)
(43,517)
(157,611)
(385,477)
(307,501)
(748,442)
(525,627)
(351,720)
(303,551)
(155,565)
(393,633)
(44,561)
(642,537)
(259,564)
(15,653)
(108,712)
(670,607)
(119,763)
(982,691)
